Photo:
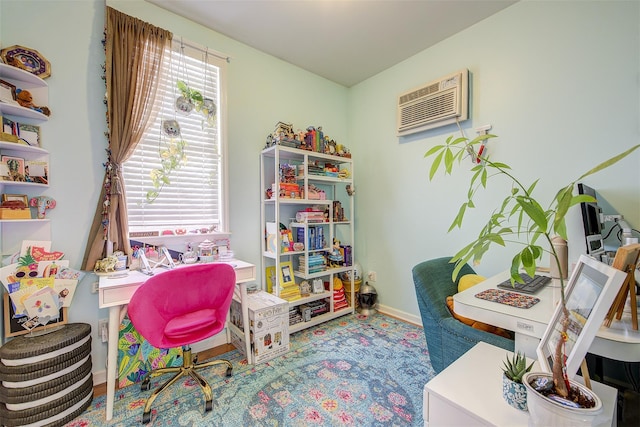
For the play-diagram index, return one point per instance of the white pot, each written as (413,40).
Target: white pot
(546,412)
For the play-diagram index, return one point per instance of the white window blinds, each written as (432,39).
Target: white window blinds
(191,195)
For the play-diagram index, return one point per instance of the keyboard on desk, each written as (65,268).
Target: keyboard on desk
(531,285)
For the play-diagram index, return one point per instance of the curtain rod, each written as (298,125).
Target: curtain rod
(205,50)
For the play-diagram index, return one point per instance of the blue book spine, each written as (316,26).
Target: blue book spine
(312,238)
(320,238)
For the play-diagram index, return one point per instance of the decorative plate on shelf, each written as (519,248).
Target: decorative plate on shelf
(27,59)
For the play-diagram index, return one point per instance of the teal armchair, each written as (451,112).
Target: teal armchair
(447,338)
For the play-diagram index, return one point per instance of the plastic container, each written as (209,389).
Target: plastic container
(560,246)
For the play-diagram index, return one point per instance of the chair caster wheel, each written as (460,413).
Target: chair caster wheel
(208,406)
(146,417)
(145,385)
(229,371)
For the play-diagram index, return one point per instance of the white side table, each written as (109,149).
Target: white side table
(469,393)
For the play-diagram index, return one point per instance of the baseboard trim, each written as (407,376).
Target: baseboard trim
(401,315)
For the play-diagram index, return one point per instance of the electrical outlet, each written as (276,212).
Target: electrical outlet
(372,276)
(94,288)
(103,329)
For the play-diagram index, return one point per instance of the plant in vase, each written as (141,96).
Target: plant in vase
(520,219)
(513,391)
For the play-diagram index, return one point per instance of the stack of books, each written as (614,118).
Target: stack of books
(290,292)
(315,263)
(294,316)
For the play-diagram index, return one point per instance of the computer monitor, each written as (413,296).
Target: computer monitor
(591,221)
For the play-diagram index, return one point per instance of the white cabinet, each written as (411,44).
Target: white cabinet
(13,231)
(308,194)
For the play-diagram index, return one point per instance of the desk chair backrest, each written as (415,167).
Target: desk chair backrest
(184,305)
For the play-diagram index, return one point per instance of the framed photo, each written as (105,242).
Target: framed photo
(7,92)
(589,293)
(286,274)
(22,325)
(16,197)
(15,168)
(29,134)
(36,171)
(318,286)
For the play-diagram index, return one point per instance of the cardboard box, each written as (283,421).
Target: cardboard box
(268,326)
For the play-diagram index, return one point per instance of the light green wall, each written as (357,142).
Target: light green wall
(262,91)
(557,80)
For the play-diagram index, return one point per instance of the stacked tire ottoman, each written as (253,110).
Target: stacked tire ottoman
(46,380)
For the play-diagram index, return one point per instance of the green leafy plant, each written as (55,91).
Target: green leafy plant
(171,158)
(520,219)
(516,366)
(204,106)
(190,94)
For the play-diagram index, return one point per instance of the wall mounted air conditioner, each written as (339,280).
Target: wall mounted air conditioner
(434,104)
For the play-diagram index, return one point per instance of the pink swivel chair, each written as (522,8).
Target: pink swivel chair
(180,307)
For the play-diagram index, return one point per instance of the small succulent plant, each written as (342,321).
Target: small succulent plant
(516,366)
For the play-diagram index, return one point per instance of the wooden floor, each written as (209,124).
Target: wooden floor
(100,389)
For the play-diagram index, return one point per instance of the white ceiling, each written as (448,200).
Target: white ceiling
(345,41)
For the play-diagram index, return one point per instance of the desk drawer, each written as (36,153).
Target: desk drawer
(116,296)
(245,274)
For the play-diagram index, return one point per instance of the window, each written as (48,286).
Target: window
(193,195)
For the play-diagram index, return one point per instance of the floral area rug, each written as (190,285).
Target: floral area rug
(351,371)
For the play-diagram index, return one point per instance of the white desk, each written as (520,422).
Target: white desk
(469,393)
(619,342)
(115,293)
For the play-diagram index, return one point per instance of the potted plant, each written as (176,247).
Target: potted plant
(520,219)
(190,99)
(513,391)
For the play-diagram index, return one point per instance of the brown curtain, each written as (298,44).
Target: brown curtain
(134,53)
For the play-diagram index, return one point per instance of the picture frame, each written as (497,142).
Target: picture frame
(589,294)
(29,59)
(7,92)
(270,274)
(286,274)
(13,326)
(29,133)
(16,197)
(9,126)
(318,286)
(15,167)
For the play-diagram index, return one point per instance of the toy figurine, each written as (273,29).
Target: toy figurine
(42,203)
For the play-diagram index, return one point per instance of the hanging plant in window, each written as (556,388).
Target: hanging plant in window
(191,99)
(172,157)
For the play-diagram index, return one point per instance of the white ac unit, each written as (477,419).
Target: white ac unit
(434,104)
